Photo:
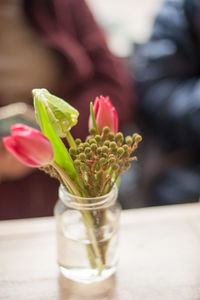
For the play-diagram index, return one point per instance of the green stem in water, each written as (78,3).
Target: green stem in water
(70,140)
(94,124)
(87,217)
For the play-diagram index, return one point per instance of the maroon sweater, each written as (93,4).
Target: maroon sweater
(89,70)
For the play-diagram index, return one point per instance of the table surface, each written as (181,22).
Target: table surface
(159,259)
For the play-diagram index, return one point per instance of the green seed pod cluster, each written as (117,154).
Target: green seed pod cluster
(97,138)
(120,151)
(82,156)
(129,140)
(113,145)
(100,159)
(106,143)
(111,136)
(78,141)
(106,130)
(119,138)
(105,149)
(94,147)
(85,145)
(92,131)
(92,141)
(137,137)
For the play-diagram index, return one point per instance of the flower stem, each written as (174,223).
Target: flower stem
(87,218)
(94,124)
(70,184)
(70,139)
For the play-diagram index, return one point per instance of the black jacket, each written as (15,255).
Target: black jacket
(167,70)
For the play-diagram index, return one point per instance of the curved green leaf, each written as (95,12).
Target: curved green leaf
(61,114)
(61,155)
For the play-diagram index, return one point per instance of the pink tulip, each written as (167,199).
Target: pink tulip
(29,146)
(105,114)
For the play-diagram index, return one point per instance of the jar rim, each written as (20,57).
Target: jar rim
(88,203)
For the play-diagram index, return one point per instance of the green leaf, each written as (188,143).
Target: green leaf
(61,155)
(61,114)
(94,124)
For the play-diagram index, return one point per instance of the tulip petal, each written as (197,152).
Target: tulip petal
(105,114)
(96,106)
(11,146)
(115,118)
(35,148)
(22,129)
(29,145)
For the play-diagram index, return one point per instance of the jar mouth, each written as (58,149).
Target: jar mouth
(88,203)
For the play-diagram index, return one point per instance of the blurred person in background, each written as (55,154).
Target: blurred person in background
(167,70)
(57,45)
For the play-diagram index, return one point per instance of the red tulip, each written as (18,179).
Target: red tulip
(105,114)
(29,146)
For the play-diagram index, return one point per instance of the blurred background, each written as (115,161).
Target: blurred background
(140,53)
(125,23)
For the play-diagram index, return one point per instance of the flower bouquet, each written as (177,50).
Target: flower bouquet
(87,214)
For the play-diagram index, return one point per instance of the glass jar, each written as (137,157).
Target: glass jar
(87,235)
